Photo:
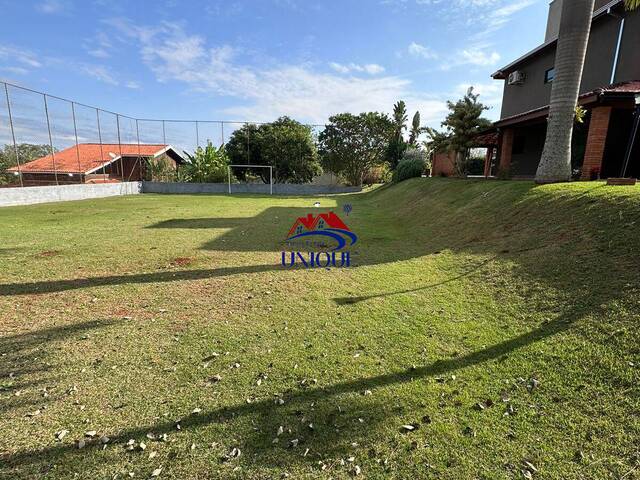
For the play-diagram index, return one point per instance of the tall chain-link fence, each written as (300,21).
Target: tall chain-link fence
(48,140)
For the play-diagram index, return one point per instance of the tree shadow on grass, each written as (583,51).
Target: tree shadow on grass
(24,355)
(363,298)
(51,286)
(333,430)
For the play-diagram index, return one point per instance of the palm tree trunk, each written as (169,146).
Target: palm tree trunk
(575,25)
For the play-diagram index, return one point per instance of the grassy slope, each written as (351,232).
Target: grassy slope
(464,291)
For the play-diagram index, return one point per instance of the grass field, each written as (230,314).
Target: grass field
(499,320)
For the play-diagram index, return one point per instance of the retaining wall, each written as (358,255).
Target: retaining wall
(278,188)
(63,193)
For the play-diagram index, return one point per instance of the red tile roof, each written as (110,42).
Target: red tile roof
(623,87)
(87,157)
(487,139)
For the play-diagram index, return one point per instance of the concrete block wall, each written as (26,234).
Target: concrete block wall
(278,189)
(63,193)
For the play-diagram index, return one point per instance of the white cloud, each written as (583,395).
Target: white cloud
(479,57)
(264,93)
(51,6)
(370,68)
(498,18)
(99,72)
(481,17)
(132,84)
(15,70)
(421,51)
(99,45)
(99,53)
(25,57)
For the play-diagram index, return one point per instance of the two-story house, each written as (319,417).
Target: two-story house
(609,91)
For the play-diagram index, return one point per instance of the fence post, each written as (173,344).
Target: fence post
(197,136)
(248,147)
(75,132)
(53,157)
(222,128)
(104,171)
(164,135)
(139,155)
(120,146)
(13,134)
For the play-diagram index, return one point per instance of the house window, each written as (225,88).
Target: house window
(299,229)
(549,75)
(321,224)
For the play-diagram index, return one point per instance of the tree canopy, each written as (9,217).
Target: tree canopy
(397,144)
(26,153)
(351,145)
(286,145)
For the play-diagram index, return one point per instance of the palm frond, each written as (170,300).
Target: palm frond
(632,4)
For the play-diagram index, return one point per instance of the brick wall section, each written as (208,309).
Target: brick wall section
(506,148)
(487,161)
(596,140)
(443,164)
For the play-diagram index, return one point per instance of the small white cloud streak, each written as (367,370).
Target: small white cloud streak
(370,68)
(417,50)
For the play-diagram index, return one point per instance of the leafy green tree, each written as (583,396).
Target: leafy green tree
(286,145)
(397,144)
(351,145)
(416,130)
(207,165)
(243,148)
(26,153)
(462,124)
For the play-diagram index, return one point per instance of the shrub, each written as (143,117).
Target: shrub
(378,174)
(160,169)
(413,164)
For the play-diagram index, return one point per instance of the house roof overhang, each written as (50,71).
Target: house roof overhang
(619,95)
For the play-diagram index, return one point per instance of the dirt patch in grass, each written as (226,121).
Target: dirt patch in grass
(49,253)
(181,261)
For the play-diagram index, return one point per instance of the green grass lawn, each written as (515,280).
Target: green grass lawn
(499,319)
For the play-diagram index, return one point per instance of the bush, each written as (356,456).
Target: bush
(379,174)
(160,169)
(413,164)
(475,166)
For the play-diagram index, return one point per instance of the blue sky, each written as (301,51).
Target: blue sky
(256,60)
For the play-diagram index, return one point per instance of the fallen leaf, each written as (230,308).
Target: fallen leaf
(410,427)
